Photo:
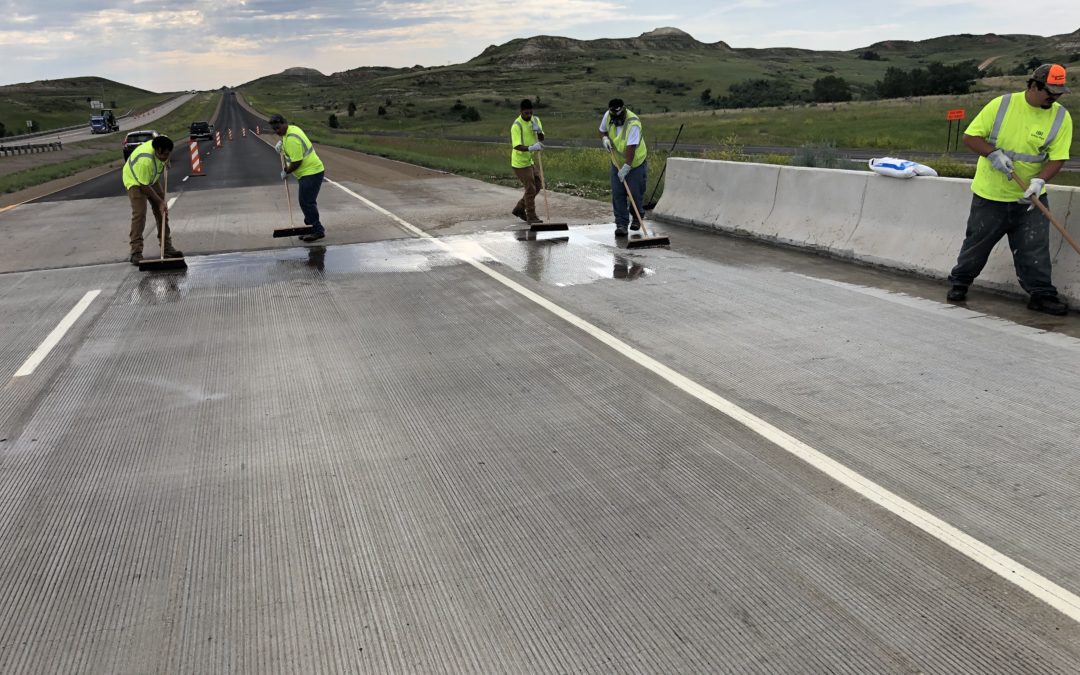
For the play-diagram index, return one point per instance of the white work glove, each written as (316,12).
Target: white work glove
(607,143)
(1035,188)
(278,147)
(536,147)
(283,174)
(624,171)
(1002,162)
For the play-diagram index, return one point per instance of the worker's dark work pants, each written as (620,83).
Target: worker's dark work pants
(636,179)
(1029,239)
(309,194)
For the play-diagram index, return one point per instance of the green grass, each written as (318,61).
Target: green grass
(54,104)
(175,125)
(43,174)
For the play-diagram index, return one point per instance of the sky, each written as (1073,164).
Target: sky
(174,45)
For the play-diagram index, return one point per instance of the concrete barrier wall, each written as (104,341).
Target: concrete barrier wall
(912,224)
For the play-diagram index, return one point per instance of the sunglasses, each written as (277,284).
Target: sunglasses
(1042,87)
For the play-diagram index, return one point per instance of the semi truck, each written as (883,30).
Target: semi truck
(104,123)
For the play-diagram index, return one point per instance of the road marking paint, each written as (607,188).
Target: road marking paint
(1011,570)
(56,335)
(170,203)
(185,179)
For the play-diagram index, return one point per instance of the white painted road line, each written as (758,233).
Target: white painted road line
(169,204)
(56,335)
(1025,578)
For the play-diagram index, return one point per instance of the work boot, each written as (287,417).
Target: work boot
(171,252)
(635,226)
(957,294)
(620,232)
(136,257)
(533,219)
(313,237)
(520,213)
(1048,304)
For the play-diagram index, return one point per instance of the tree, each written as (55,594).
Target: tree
(758,94)
(471,114)
(870,56)
(706,97)
(895,84)
(352,109)
(831,88)
(382,111)
(333,121)
(112,104)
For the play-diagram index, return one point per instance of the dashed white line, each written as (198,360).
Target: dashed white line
(56,335)
(1011,570)
(169,204)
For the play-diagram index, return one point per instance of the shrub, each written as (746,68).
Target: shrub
(333,121)
(821,155)
(471,114)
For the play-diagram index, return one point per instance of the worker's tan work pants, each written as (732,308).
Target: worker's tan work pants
(530,178)
(138,217)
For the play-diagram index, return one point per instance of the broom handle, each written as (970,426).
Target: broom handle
(288,196)
(543,186)
(629,196)
(1046,212)
(165,211)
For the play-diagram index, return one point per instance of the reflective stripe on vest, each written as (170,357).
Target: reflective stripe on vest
(1059,119)
(153,164)
(517,123)
(307,148)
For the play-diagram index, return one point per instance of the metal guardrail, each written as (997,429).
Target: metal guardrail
(6,151)
(50,132)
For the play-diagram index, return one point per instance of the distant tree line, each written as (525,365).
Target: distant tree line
(936,78)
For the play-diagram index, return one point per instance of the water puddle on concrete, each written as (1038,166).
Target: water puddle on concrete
(582,255)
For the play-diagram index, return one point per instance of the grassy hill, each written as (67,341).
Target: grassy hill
(53,104)
(664,71)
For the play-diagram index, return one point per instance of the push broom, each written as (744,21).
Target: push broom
(1046,212)
(646,240)
(291,230)
(545,226)
(163,264)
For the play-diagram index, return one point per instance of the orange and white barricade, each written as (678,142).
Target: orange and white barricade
(230,133)
(217,139)
(196,162)
(243,132)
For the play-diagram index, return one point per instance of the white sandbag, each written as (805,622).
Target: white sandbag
(899,168)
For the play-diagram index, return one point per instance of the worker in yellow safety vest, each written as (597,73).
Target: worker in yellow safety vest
(526,136)
(143,174)
(300,160)
(1028,134)
(620,130)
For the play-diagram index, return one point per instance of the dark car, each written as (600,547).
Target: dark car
(136,138)
(202,131)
